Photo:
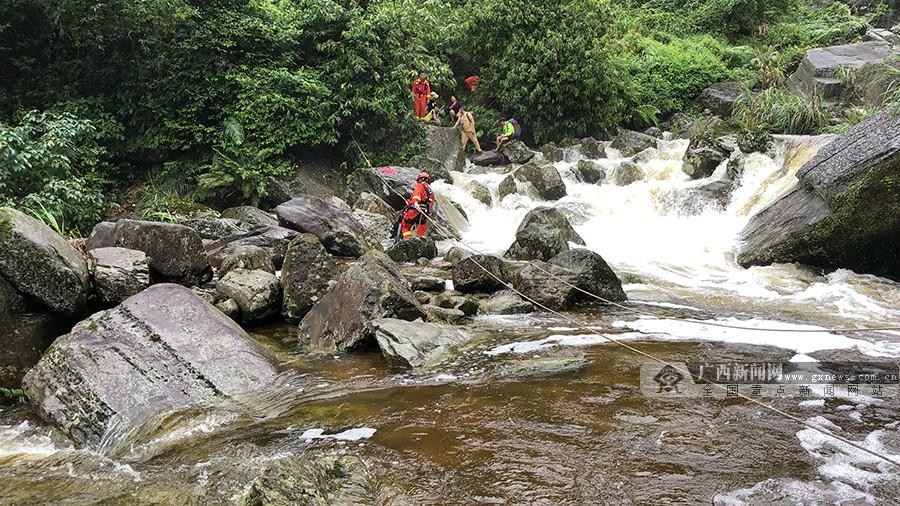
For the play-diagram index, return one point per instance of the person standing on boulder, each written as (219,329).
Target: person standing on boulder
(467,121)
(417,207)
(421,88)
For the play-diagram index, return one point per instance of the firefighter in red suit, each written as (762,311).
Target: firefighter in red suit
(421,201)
(421,88)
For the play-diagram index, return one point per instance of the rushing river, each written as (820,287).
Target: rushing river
(535,410)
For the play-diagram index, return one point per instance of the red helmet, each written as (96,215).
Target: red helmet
(423,175)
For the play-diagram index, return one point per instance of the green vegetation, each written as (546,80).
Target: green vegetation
(207,100)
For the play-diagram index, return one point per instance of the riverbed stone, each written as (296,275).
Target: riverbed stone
(416,344)
(165,332)
(274,240)
(590,172)
(412,249)
(544,178)
(306,276)
(118,273)
(627,172)
(38,262)
(843,211)
(250,215)
(480,193)
(247,257)
(505,302)
(441,314)
(310,479)
(336,229)
(435,168)
(544,233)
(376,225)
(552,153)
(489,158)
(24,335)
(257,293)
(507,187)
(212,227)
(547,284)
(629,142)
(426,283)
(372,288)
(720,98)
(592,274)
(469,273)
(373,204)
(702,162)
(456,253)
(516,151)
(443,144)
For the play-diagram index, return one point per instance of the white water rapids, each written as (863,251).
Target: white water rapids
(674,259)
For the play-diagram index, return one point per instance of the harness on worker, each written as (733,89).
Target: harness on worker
(419,219)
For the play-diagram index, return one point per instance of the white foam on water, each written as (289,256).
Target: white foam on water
(348,435)
(25,440)
(815,403)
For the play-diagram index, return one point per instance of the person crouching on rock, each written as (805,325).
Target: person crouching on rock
(417,207)
(507,132)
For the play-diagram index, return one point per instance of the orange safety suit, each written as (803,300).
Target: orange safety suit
(420,90)
(423,196)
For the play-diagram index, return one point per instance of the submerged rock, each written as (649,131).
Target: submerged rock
(175,252)
(372,288)
(516,151)
(118,273)
(593,275)
(544,233)
(107,371)
(415,345)
(478,273)
(694,200)
(313,480)
(306,276)
(480,192)
(336,229)
(38,262)
(257,293)
(544,178)
(843,212)
(412,249)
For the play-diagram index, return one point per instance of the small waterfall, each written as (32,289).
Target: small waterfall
(687,258)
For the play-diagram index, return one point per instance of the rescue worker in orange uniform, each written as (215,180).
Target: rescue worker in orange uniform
(421,88)
(421,201)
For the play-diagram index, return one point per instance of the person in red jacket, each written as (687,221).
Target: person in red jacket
(421,88)
(421,201)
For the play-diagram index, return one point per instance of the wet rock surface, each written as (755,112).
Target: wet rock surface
(516,151)
(410,250)
(166,331)
(246,257)
(478,273)
(336,229)
(629,142)
(627,172)
(592,274)
(306,276)
(544,178)
(257,293)
(415,344)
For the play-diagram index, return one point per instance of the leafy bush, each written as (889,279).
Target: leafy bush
(52,164)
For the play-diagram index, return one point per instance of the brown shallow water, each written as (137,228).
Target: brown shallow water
(561,425)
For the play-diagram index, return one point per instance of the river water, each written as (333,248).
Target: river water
(534,409)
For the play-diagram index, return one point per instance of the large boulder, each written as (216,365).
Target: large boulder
(817,72)
(544,233)
(250,215)
(175,252)
(336,229)
(415,345)
(721,97)
(376,225)
(629,142)
(516,151)
(442,144)
(844,211)
(161,350)
(210,226)
(246,257)
(257,293)
(435,168)
(702,162)
(375,205)
(627,172)
(372,288)
(592,274)
(547,284)
(592,148)
(553,153)
(489,158)
(544,178)
(412,249)
(479,273)
(38,262)
(507,187)
(118,273)
(306,276)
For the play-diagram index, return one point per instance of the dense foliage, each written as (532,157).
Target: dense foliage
(207,99)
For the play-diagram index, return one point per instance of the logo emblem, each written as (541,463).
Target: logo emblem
(668,378)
